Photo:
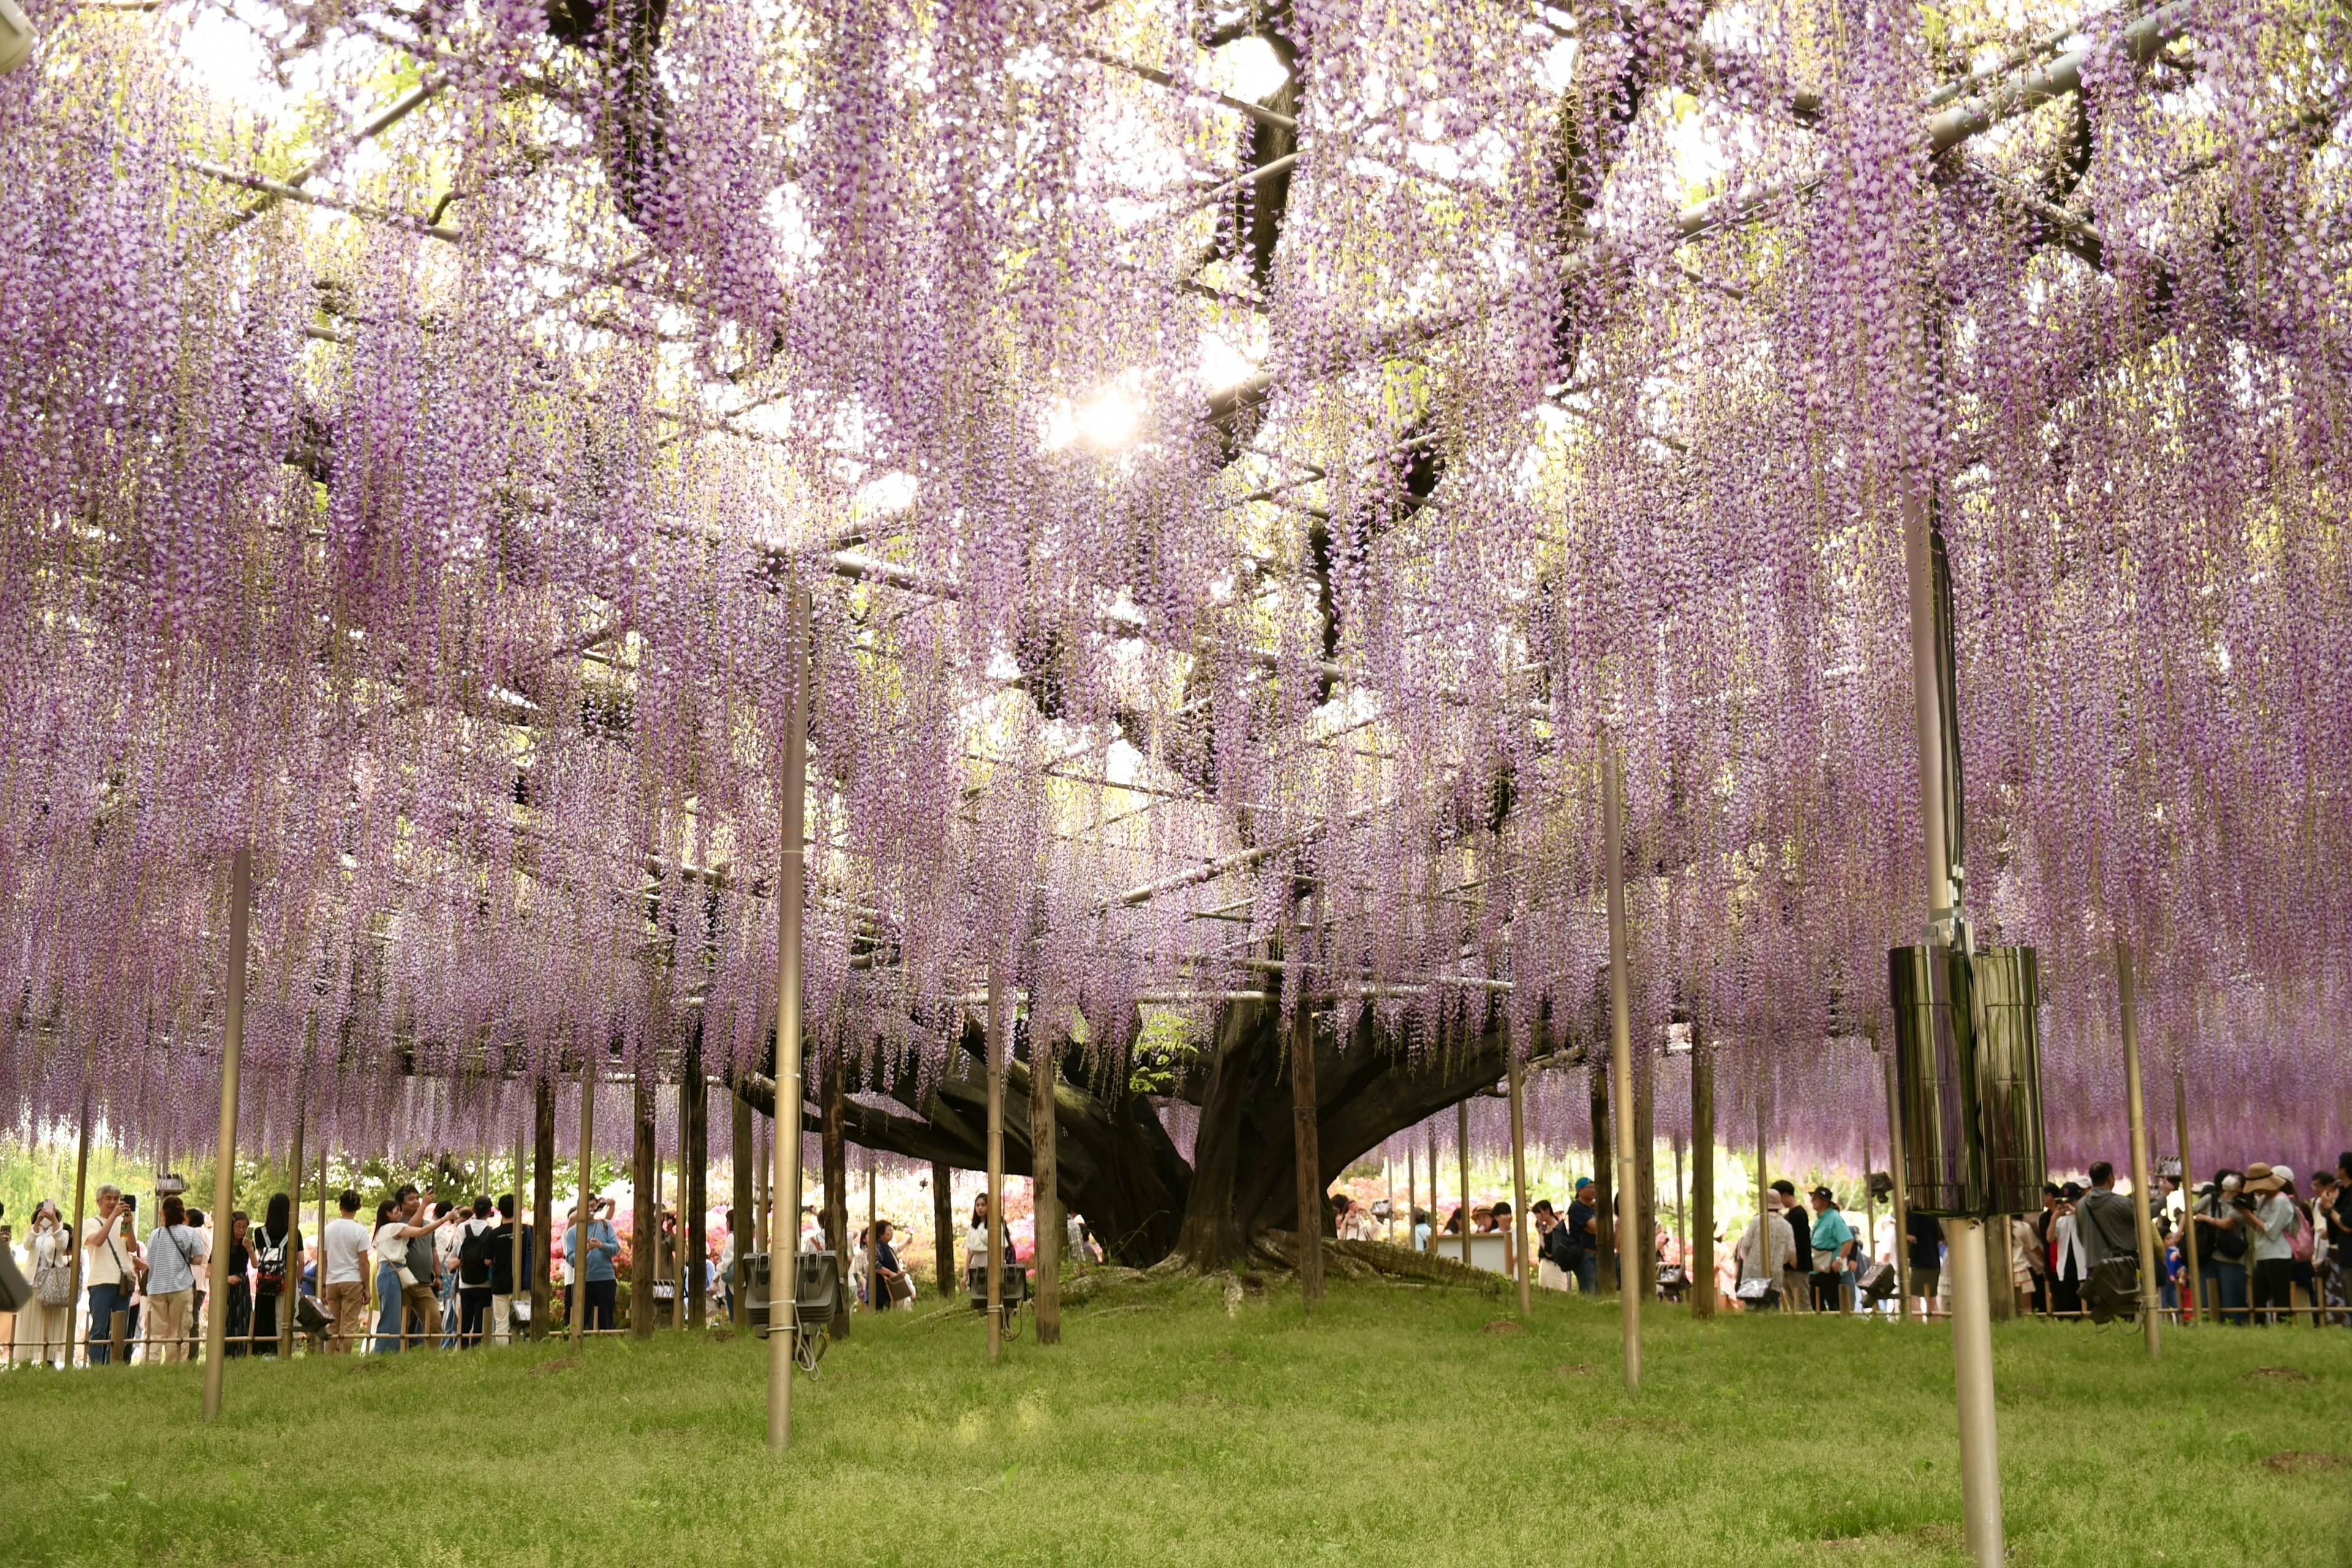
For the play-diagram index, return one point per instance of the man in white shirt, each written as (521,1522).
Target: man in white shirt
(342,1275)
(108,1268)
(1780,1250)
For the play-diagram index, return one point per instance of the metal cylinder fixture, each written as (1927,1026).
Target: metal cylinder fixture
(1968,1068)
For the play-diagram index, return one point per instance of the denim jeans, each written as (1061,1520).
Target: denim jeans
(2228,1282)
(105,1300)
(1587,1270)
(387,1315)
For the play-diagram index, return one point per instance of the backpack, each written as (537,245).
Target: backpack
(474,1257)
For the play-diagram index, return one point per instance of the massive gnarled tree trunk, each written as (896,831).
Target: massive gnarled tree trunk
(1116,1163)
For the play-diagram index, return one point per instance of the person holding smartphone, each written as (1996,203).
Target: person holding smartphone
(109,1270)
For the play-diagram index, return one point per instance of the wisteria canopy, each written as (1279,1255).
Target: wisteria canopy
(1247,466)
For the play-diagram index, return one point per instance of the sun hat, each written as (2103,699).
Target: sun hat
(2260,1178)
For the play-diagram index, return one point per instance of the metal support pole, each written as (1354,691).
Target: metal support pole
(994,1068)
(1631,1245)
(783,1293)
(2151,1299)
(2196,1302)
(575,1255)
(1517,1076)
(240,923)
(1971,1300)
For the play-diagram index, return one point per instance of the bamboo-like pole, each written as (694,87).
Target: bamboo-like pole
(521,1161)
(321,1234)
(783,1293)
(1388,1181)
(1307,1145)
(1702,1253)
(743,1198)
(542,1204)
(2143,1185)
(644,1207)
(1902,1196)
(575,1254)
(240,923)
(942,1231)
(1044,1171)
(81,1204)
(1462,1148)
(1411,1188)
(1762,1251)
(1631,1245)
(289,1285)
(2193,1309)
(873,1239)
(1518,1073)
(993,1067)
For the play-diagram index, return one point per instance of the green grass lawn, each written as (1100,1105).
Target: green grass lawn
(1403,1426)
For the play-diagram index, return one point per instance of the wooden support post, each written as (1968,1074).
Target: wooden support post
(81,1207)
(835,1152)
(1604,1183)
(791,898)
(1306,1146)
(993,1067)
(1437,1211)
(1462,1149)
(1902,1196)
(872,1241)
(1635,1275)
(2195,1306)
(742,1196)
(943,1232)
(644,1174)
(1523,1268)
(518,1261)
(289,1287)
(1044,1171)
(575,1248)
(542,1204)
(693,1190)
(2151,1298)
(1702,1253)
(240,920)
(1764,1269)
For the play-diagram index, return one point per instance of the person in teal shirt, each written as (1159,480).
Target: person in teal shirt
(1833,1248)
(596,1272)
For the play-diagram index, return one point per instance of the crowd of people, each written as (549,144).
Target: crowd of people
(428,1272)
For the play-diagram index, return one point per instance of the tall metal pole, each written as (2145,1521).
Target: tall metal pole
(240,920)
(1518,1073)
(1632,1247)
(783,1293)
(575,1255)
(994,1067)
(1964,1238)
(2143,1185)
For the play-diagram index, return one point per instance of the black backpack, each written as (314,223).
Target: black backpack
(474,1256)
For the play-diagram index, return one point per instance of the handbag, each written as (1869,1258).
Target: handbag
(52,1282)
(1878,1282)
(1753,1289)
(900,1287)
